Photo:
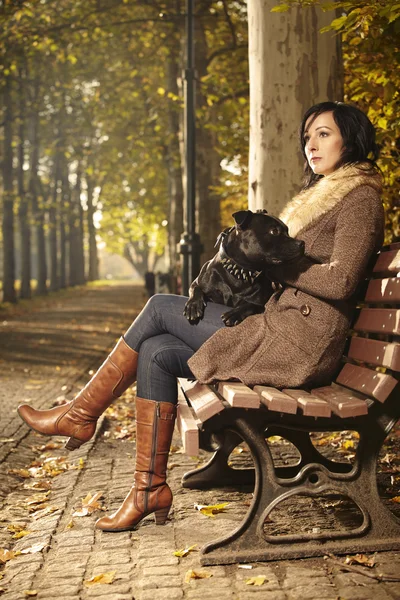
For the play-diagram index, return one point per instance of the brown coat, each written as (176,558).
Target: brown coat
(299,339)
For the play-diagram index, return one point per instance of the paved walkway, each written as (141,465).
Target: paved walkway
(47,355)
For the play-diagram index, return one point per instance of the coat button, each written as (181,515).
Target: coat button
(305,310)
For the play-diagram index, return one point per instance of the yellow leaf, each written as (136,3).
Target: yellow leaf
(89,505)
(6,555)
(161,91)
(258,580)
(102,578)
(196,575)
(396,499)
(184,551)
(24,473)
(20,534)
(211,508)
(70,525)
(30,593)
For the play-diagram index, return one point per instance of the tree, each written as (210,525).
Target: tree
(292,67)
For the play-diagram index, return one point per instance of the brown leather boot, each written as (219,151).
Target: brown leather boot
(150,493)
(77,419)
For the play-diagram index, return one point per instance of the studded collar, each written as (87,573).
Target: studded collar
(230,265)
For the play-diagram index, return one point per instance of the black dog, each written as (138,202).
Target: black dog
(237,275)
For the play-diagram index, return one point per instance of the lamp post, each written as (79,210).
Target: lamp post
(189,246)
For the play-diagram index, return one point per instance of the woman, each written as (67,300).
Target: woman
(297,341)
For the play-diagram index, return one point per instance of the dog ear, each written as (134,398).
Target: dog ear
(242,217)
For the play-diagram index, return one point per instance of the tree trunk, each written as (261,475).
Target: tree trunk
(76,260)
(38,202)
(93,274)
(23,208)
(80,253)
(292,67)
(64,202)
(9,294)
(54,280)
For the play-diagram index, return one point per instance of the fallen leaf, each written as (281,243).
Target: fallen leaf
(30,592)
(44,511)
(89,505)
(6,555)
(34,549)
(196,575)
(102,578)
(211,509)
(70,525)
(360,559)
(184,551)
(245,566)
(38,485)
(396,499)
(20,534)
(258,580)
(6,440)
(24,473)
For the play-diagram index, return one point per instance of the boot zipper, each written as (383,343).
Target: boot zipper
(153,453)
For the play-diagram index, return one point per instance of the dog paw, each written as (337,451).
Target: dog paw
(232,318)
(194,311)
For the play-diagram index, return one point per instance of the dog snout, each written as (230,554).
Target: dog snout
(301,246)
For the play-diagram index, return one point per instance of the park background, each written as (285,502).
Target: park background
(92,148)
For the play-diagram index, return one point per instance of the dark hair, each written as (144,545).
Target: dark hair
(357,132)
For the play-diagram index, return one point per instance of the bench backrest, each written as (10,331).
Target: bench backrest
(373,360)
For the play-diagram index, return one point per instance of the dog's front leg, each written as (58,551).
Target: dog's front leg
(194,307)
(240,313)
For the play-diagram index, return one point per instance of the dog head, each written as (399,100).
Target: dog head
(259,240)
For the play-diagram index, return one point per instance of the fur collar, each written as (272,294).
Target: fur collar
(312,203)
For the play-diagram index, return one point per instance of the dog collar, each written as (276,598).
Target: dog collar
(230,265)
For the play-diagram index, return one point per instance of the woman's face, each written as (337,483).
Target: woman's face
(323,143)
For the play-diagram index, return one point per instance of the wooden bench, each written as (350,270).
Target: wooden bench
(365,398)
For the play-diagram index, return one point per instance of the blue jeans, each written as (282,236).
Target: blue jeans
(165,341)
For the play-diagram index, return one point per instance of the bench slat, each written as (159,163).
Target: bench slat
(238,395)
(388,262)
(188,430)
(309,405)
(371,383)
(275,400)
(203,399)
(383,290)
(379,320)
(343,403)
(375,352)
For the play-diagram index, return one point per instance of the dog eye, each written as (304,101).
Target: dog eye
(274,231)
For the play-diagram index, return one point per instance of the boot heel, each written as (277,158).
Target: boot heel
(72,443)
(161,515)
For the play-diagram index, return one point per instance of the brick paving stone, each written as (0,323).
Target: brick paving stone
(165,570)
(162,594)
(106,590)
(363,593)
(295,582)
(224,594)
(348,579)
(312,592)
(158,561)
(59,590)
(163,581)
